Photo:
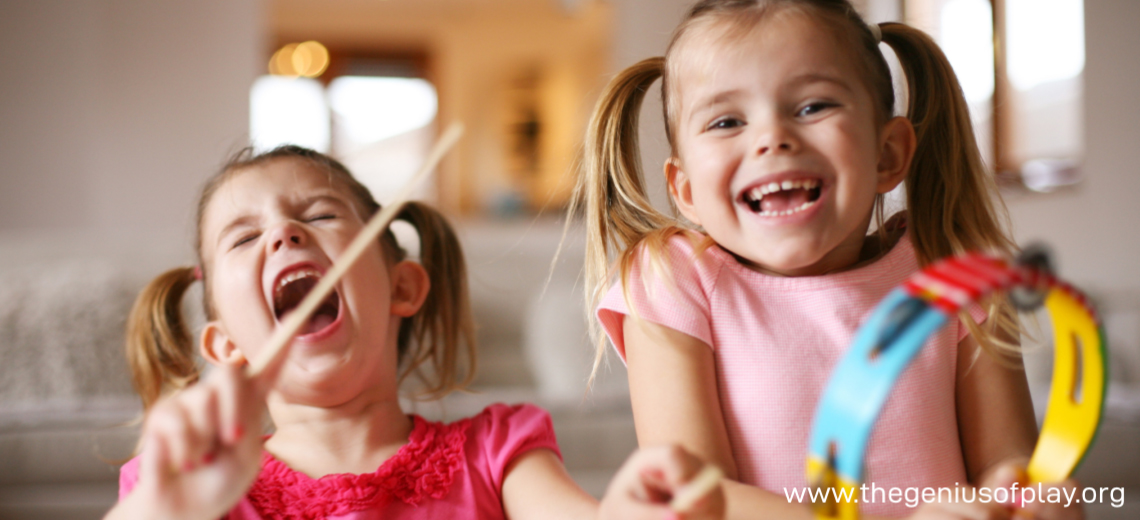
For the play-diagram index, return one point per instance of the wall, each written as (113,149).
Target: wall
(1094,225)
(114,112)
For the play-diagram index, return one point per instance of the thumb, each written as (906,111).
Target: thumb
(155,464)
(1004,475)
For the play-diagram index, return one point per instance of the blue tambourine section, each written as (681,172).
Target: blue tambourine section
(860,385)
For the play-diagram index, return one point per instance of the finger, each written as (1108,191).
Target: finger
(198,407)
(154,466)
(232,405)
(702,484)
(169,421)
(677,466)
(685,476)
(1005,473)
(202,409)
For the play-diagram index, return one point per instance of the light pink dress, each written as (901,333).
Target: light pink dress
(775,341)
(452,471)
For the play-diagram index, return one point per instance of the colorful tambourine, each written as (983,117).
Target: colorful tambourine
(900,326)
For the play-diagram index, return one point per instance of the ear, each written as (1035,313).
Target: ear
(410,286)
(217,348)
(680,189)
(896,150)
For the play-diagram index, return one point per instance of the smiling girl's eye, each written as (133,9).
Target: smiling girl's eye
(725,123)
(813,108)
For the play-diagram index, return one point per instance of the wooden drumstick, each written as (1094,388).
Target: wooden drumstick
(702,484)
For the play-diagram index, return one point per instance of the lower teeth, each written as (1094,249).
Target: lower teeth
(787,211)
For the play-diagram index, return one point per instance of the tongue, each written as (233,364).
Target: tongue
(783,200)
(317,323)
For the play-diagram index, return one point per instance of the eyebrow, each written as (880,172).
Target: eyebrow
(805,79)
(720,97)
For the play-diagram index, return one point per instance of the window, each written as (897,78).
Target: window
(1024,93)
(372,115)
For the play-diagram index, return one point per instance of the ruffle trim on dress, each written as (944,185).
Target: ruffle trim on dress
(423,468)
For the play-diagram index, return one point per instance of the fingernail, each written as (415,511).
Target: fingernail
(209,458)
(672,515)
(238,432)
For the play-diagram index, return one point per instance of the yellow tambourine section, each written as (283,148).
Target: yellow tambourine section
(841,500)
(1077,396)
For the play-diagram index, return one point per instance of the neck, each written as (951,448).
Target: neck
(354,437)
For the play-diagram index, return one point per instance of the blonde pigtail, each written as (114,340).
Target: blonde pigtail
(160,351)
(611,190)
(949,190)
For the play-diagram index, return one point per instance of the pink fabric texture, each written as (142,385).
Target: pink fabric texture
(776,340)
(453,471)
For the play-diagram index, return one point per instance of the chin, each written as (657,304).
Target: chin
(788,261)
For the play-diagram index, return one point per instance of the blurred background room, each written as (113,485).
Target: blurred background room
(113,112)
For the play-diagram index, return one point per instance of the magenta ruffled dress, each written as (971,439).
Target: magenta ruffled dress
(452,471)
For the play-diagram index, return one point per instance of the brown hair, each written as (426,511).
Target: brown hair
(440,337)
(950,195)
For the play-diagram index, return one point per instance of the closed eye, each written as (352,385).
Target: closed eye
(245,240)
(323,216)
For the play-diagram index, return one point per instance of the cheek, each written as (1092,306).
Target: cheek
(712,175)
(236,296)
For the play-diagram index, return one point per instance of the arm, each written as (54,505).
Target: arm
(992,398)
(537,486)
(673,387)
(672,382)
(997,427)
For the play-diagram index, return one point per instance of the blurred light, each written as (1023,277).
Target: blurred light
(308,59)
(370,109)
(281,64)
(288,111)
(1046,41)
(967,39)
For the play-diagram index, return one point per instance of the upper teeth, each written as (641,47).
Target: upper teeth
(294,276)
(760,191)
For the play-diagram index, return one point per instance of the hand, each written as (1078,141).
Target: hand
(201,450)
(1006,473)
(647,482)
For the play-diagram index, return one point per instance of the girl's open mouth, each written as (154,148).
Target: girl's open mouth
(776,199)
(292,288)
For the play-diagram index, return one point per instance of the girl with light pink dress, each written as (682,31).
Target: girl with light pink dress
(732,312)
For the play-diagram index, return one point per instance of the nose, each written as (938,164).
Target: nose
(286,234)
(775,137)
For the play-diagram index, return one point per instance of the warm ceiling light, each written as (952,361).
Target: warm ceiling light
(308,59)
(281,64)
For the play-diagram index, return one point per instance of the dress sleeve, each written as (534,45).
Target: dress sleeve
(677,298)
(128,477)
(506,432)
